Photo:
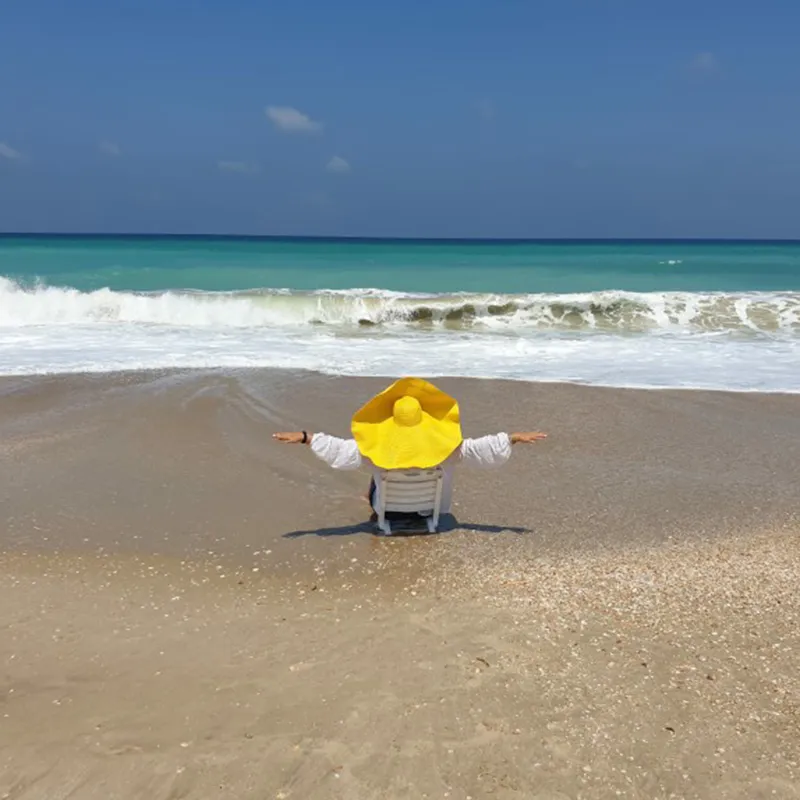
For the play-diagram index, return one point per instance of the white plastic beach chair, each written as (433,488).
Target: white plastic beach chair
(411,492)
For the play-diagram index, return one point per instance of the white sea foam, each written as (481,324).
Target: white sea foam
(609,310)
(725,341)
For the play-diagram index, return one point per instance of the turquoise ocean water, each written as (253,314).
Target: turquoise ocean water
(216,265)
(693,314)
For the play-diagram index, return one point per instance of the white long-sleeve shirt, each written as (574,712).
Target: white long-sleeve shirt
(486,452)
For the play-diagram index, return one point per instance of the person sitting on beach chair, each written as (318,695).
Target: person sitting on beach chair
(412,425)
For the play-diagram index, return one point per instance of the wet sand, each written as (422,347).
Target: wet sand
(612,614)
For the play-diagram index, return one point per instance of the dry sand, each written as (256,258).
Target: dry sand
(179,619)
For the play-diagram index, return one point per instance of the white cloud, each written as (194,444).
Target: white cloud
(704,64)
(339,165)
(290,119)
(9,152)
(241,167)
(109,148)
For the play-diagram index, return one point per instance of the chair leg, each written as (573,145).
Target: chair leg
(383,524)
(431,524)
(434,523)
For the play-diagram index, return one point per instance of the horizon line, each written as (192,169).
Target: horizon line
(393,239)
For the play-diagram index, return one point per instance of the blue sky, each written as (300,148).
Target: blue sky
(620,118)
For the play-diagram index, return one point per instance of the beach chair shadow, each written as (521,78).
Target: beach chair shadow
(447,524)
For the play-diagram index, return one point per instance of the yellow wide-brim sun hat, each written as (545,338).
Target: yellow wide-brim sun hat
(410,424)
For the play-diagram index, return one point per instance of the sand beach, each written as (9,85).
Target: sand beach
(188,610)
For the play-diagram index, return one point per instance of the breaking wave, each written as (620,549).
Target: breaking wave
(606,311)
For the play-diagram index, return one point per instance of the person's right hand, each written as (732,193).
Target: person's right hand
(527,438)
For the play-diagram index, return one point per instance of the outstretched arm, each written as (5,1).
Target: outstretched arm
(335,452)
(495,450)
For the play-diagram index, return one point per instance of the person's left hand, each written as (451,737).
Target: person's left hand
(289,438)
(528,437)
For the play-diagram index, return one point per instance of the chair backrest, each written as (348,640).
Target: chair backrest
(411,490)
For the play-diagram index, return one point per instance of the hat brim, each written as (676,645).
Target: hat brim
(391,446)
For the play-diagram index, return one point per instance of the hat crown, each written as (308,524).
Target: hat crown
(407,412)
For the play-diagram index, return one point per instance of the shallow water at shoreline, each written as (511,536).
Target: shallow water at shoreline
(183,464)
